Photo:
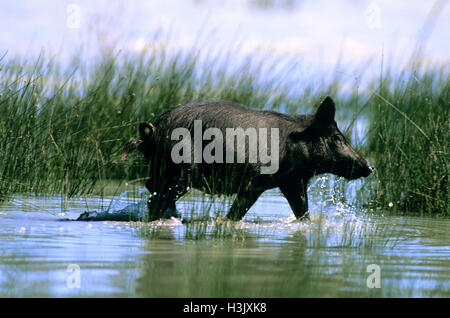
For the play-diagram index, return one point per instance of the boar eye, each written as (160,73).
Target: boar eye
(340,138)
(296,136)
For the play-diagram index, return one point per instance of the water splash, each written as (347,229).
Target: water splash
(122,208)
(334,218)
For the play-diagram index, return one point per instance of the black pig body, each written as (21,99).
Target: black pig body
(308,145)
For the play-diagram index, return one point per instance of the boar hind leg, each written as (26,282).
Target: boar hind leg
(295,193)
(242,204)
(161,203)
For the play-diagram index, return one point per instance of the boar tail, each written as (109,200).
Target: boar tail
(130,147)
(146,131)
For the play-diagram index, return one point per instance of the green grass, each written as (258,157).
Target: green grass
(62,130)
(410,140)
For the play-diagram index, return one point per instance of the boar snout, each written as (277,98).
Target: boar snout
(360,169)
(371,169)
(367,171)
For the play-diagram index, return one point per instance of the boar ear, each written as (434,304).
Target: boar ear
(325,113)
(146,130)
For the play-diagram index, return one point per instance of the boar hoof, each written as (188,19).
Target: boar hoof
(304,217)
(170,212)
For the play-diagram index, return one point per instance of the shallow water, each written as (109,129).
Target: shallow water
(268,254)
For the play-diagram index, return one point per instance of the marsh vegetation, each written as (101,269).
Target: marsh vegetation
(62,133)
(62,129)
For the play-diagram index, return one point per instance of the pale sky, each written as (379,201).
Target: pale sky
(317,33)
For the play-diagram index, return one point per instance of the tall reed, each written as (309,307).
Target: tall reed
(410,140)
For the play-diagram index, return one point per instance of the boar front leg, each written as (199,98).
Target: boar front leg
(242,204)
(294,191)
